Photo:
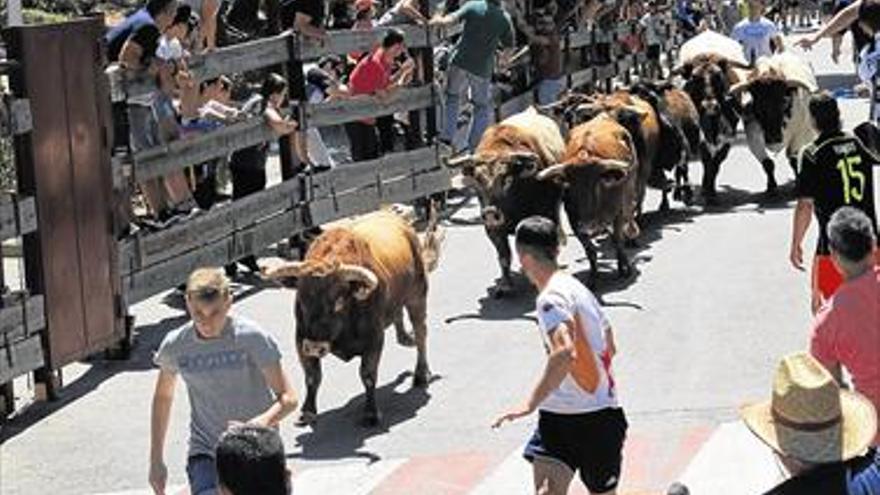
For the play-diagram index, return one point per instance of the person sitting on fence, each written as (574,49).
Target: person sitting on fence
(158,13)
(232,371)
(371,137)
(305,17)
(251,460)
(487,26)
(248,165)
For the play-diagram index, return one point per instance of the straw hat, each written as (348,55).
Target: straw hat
(810,418)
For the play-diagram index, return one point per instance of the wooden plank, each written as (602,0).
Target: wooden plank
(160,160)
(371,198)
(138,252)
(361,107)
(228,60)
(348,41)
(21,319)
(362,174)
(24,223)
(167,274)
(20,358)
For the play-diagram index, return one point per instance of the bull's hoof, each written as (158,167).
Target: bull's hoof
(624,270)
(307,418)
(406,339)
(371,419)
(687,195)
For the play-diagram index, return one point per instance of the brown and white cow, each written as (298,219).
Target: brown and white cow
(600,171)
(503,171)
(354,282)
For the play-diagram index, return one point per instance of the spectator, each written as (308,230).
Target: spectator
(758,35)
(304,16)
(173,43)
(158,13)
(581,426)
(251,461)
(835,171)
(866,12)
(846,332)
(364,21)
(140,49)
(207,12)
(652,26)
(248,165)
(232,371)
(341,15)
(404,12)
(545,46)
(860,39)
(819,432)
(487,26)
(370,138)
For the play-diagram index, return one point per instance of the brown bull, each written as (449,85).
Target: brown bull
(354,282)
(503,172)
(599,171)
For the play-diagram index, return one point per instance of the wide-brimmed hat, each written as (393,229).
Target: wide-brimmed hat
(809,417)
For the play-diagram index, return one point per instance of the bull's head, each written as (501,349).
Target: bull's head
(600,183)
(497,178)
(772,101)
(327,295)
(707,82)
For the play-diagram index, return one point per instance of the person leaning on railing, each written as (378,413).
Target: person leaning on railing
(369,138)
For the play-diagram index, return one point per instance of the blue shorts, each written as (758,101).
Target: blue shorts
(590,444)
(201,470)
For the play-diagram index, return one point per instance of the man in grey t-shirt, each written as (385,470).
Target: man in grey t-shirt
(232,371)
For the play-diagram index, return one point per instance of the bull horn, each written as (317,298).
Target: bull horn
(612,164)
(459,161)
(739,87)
(552,171)
(361,275)
(294,269)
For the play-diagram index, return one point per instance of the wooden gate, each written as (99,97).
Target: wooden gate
(65,164)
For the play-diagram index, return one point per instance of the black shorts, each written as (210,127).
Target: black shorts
(653,53)
(590,444)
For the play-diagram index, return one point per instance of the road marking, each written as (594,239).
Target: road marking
(512,477)
(732,462)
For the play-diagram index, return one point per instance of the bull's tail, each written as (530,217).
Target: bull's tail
(432,239)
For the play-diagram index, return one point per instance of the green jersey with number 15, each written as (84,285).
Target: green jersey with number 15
(837,171)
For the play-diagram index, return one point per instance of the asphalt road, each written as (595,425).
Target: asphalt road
(700,328)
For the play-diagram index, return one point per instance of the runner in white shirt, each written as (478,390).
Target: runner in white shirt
(581,426)
(756,33)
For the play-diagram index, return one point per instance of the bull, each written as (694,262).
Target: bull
(776,110)
(600,174)
(354,282)
(503,171)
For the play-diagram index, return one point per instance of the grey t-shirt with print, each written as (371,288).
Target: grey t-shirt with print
(223,376)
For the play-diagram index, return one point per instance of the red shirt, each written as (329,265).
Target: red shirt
(370,75)
(847,332)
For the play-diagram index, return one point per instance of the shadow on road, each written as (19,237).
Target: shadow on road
(338,434)
(147,340)
(513,306)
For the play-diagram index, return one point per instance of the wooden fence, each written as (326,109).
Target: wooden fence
(148,263)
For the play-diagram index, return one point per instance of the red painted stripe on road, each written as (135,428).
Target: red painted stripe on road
(689,445)
(636,461)
(450,474)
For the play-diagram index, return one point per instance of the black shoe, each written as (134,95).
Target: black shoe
(251,264)
(231,270)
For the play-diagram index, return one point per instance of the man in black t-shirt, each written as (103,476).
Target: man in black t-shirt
(305,17)
(836,170)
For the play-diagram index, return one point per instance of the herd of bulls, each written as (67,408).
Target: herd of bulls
(592,154)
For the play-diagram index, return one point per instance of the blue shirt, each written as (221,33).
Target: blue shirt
(117,36)
(859,476)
